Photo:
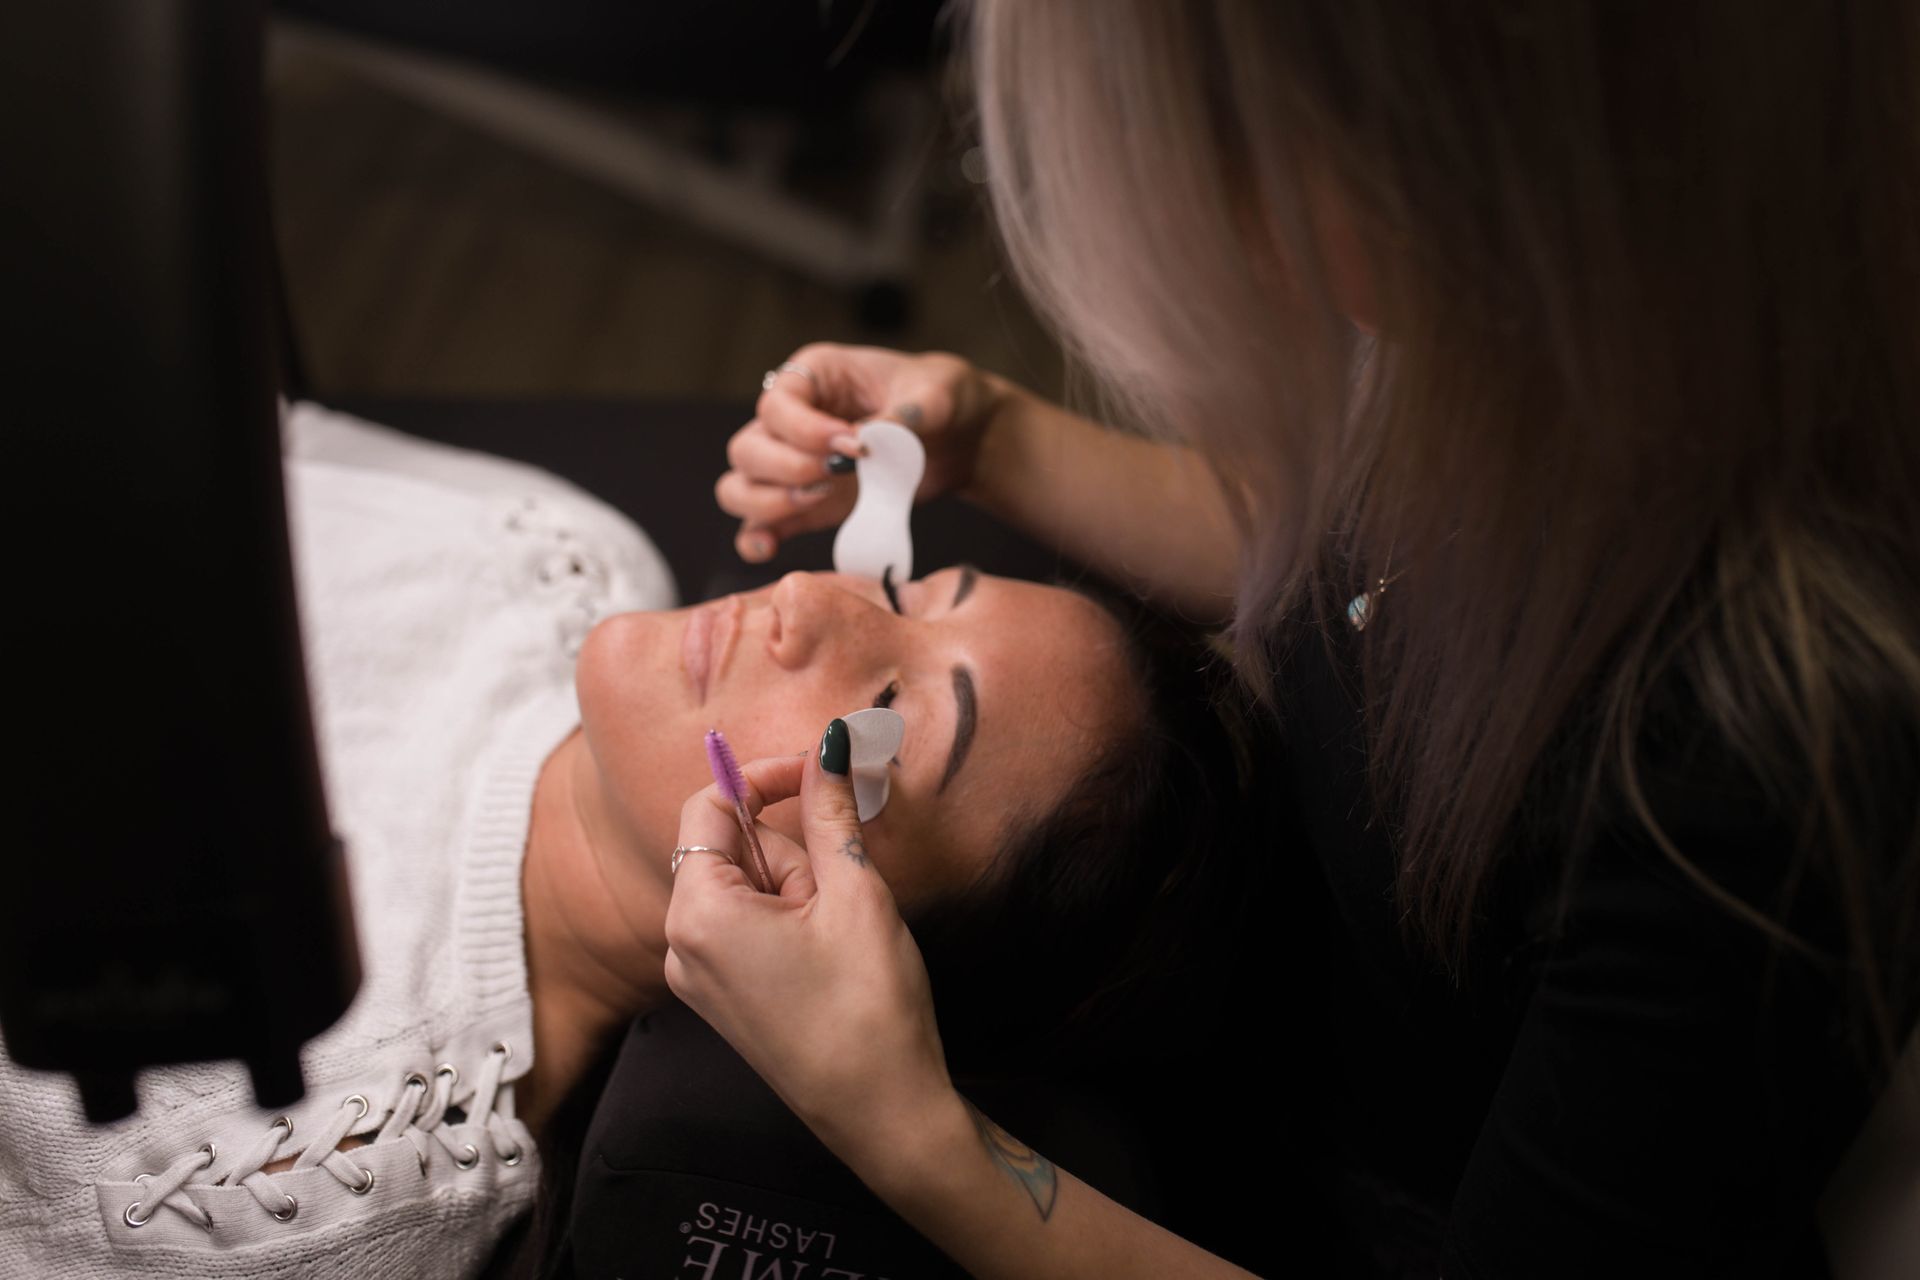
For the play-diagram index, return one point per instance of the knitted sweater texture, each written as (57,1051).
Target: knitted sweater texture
(443,597)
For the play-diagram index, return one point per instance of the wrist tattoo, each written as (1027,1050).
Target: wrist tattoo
(1033,1171)
(908,415)
(855,849)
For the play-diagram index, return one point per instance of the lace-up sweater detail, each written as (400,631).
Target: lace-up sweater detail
(423,1116)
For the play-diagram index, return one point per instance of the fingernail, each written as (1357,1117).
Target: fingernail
(849,445)
(838,464)
(758,546)
(836,749)
(810,493)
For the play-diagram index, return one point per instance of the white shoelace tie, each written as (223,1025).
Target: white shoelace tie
(419,1116)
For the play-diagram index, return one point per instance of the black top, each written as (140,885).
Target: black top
(1642,1085)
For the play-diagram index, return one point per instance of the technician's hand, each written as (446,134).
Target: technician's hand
(818,986)
(791,467)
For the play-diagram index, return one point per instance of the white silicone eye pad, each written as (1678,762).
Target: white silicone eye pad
(876,536)
(875,736)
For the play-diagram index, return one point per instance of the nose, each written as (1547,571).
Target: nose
(816,614)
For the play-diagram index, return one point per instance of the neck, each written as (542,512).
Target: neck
(596,931)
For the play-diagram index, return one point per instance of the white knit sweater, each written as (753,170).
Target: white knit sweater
(443,596)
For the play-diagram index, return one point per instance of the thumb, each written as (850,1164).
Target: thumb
(830,817)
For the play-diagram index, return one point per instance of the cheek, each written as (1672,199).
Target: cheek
(928,856)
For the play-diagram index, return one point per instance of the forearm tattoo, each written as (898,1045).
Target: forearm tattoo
(908,415)
(855,850)
(1033,1171)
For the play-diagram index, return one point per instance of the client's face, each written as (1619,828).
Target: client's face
(1007,689)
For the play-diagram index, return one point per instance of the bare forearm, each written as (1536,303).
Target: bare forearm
(1000,1209)
(1151,516)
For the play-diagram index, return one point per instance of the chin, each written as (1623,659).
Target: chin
(633,708)
(627,659)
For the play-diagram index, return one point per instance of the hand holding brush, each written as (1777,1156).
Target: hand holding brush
(733,786)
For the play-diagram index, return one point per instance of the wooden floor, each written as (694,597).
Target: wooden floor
(424,257)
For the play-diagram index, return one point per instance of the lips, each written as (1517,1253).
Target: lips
(696,656)
(707,643)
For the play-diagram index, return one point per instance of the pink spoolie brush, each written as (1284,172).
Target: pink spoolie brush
(733,785)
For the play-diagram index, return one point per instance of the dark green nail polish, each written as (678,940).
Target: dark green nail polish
(836,749)
(838,464)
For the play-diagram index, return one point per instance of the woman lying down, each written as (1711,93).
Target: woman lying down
(509,722)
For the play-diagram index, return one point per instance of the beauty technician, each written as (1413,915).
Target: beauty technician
(1532,388)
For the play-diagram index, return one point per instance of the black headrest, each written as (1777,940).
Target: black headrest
(693,1167)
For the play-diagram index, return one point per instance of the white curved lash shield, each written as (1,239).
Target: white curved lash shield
(875,735)
(877,538)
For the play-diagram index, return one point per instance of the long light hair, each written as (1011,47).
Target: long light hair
(1644,408)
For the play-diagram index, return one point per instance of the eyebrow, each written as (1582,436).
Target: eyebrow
(966,718)
(968,576)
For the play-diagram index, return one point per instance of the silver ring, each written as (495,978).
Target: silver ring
(680,851)
(512,1157)
(132,1221)
(772,376)
(366,1186)
(365,1106)
(293,1207)
(473,1157)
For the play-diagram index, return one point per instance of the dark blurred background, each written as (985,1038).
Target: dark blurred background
(569,199)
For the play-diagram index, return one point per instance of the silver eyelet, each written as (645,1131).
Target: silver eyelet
(502,1048)
(448,1069)
(213,1154)
(287,1121)
(365,1106)
(364,1187)
(132,1221)
(415,1078)
(511,1158)
(473,1158)
(293,1207)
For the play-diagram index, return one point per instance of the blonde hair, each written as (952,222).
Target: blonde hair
(1645,408)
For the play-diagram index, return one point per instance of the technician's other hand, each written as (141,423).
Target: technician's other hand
(790,469)
(819,986)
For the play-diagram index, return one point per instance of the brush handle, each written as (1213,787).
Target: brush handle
(757,870)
